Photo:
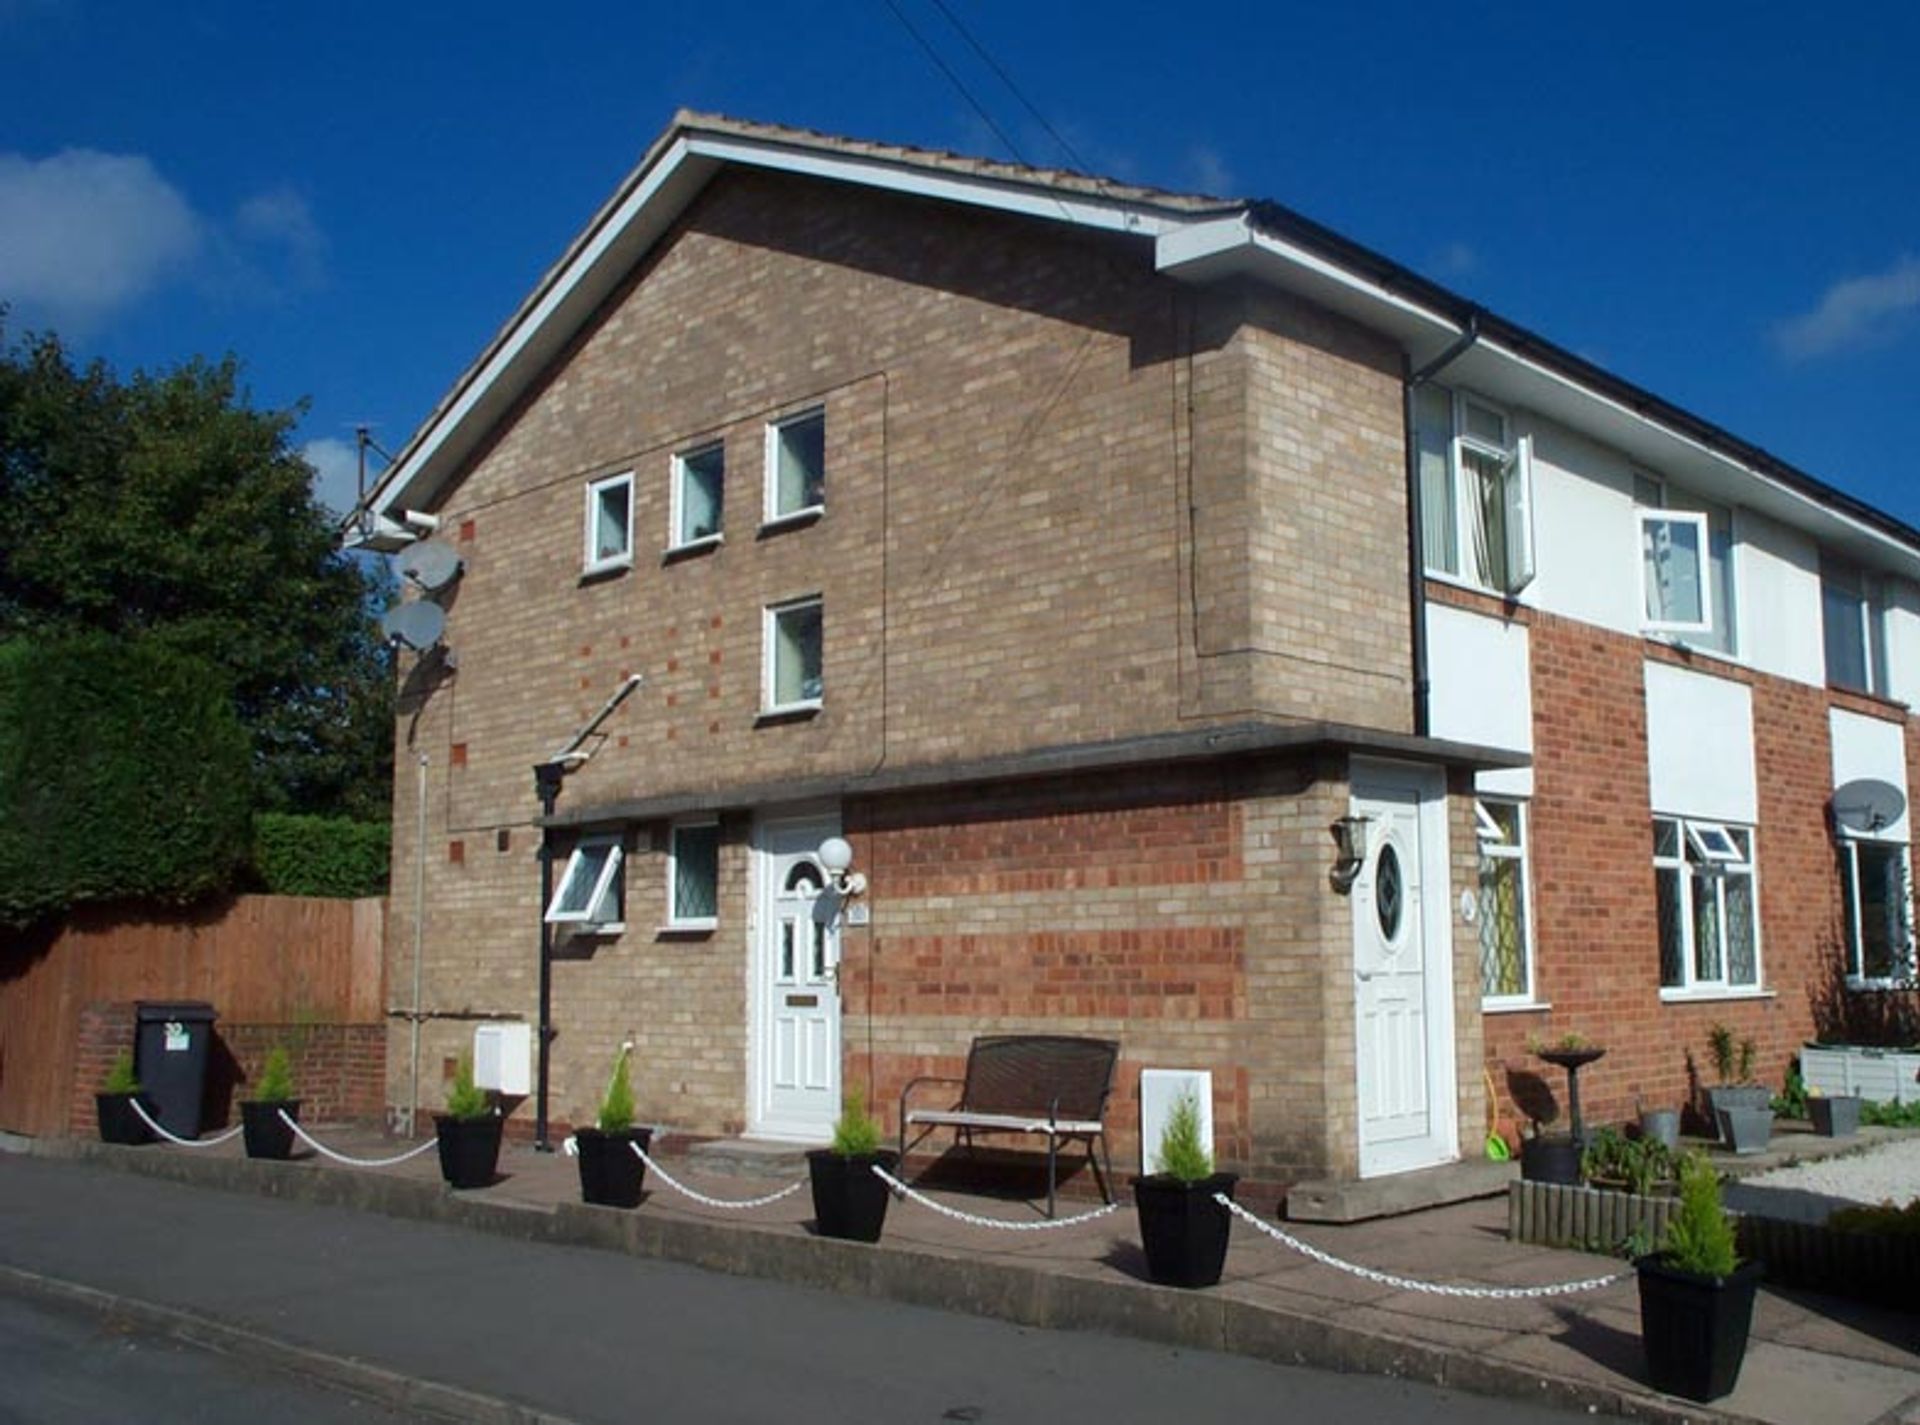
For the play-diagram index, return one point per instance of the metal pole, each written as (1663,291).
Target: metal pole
(547,777)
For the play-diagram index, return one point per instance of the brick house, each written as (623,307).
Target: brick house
(1053,541)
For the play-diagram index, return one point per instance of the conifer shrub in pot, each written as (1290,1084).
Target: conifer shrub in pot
(113,1104)
(1696,1295)
(610,1171)
(849,1202)
(1182,1229)
(265,1133)
(468,1132)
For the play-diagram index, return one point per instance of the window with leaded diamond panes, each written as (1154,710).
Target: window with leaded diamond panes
(1506,946)
(1707,911)
(693,876)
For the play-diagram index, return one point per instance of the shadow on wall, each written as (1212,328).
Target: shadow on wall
(1888,1018)
(1533,1096)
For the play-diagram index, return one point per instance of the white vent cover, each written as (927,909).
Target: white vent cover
(503,1058)
(1160,1090)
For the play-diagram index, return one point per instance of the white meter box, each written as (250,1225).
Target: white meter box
(503,1058)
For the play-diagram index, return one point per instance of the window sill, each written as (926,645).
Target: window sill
(1514,1007)
(1456,581)
(1713,996)
(587,927)
(608,569)
(799,519)
(692,548)
(1862,986)
(686,930)
(800,712)
(1677,643)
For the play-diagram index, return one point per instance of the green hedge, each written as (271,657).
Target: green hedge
(124,775)
(321,855)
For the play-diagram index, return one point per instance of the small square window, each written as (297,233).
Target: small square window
(609,524)
(1675,572)
(590,893)
(797,466)
(699,490)
(693,876)
(794,652)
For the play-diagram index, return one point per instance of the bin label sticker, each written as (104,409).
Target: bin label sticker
(176,1037)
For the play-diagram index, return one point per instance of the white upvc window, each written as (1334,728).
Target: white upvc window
(1476,491)
(699,494)
(609,541)
(1709,909)
(693,875)
(794,656)
(1876,884)
(1685,565)
(1853,623)
(591,890)
(1506,907)
(797,466)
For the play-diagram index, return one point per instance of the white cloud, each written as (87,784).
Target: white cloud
(1456,259)
(83,233)
(281,218)
(336,478)
(1854,313)
(1209,173)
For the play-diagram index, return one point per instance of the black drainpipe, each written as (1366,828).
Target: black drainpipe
(547,777)
(1416,553)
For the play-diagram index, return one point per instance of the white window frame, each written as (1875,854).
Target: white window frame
(677,498)
(772,514)
(676,921)
(600,914)
(591,563)
(1514,455)
(1492,842)
(1903,963)
(1703,535)
(770,643)
(1704,837)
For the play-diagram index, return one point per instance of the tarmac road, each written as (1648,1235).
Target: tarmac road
(595,1336)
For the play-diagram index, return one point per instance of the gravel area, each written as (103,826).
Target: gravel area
(1889,1172)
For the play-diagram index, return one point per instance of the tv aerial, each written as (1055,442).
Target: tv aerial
(429,566)
(417,625)
(1868,804)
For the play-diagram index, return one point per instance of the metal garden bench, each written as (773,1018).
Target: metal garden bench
(1056,1085)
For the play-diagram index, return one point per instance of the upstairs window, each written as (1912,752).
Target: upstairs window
(1708,913)
(693,876)
(794,656)
(1476,491)
(1878,911)
(1506,949)
(609,524)
(1854,626)
(699,488)
(797,466)
(591,890)
(1686,565)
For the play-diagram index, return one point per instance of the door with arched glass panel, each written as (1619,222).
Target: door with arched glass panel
(797,965)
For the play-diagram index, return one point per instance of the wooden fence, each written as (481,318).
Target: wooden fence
(259,960)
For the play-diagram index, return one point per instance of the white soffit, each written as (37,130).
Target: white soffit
(1700,746)
(1870,747)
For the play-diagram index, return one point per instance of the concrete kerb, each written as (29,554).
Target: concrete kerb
(412,1394)
(1008,1291)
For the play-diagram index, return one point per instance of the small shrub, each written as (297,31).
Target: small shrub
(616,1105)
(1642,1163)
(1885,1220)
(321,855)
(1891,1115)
(276,1078)
(1791,1101)
(120,1078)
(464,1100)
(1182,1155)
(856,1135)
(1720,1046)
(1700,1236)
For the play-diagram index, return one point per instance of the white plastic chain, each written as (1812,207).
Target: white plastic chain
(975,1221)
(327,1152)
(213,1142)
(1478,1293)
(701,1198)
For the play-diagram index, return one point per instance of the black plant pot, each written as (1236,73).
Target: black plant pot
(263,1132)
(469,1149)
(1546,1159)
(118,1122)
(610,1174)
(848,1200)
(1183,1230)
(1694,1328)
(1835,1117)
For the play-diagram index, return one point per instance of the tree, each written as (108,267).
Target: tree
(165,509)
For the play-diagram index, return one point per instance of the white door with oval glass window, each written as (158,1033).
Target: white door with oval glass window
(1402,973)
(796,1002)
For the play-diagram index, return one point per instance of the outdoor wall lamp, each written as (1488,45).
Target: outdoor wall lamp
(836,855)
(1350,845)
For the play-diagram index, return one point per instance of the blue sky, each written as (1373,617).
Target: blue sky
(1721,202)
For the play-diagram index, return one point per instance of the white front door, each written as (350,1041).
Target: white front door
(796,1006)
(1402,972)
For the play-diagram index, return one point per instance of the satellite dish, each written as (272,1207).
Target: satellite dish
(418,624)
(1868,804)
(430,564)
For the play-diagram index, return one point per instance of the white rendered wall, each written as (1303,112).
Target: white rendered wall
(1777,580)
(1700,746)
(1869,747)
(1903,641)
(1585,539)
(1482,689)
